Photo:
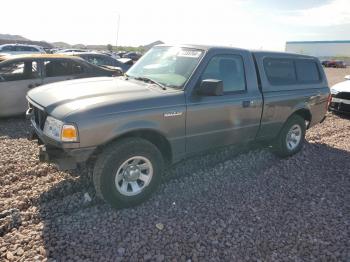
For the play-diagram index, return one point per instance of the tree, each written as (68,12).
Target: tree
(109,47)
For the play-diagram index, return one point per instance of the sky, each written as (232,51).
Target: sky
(253,24)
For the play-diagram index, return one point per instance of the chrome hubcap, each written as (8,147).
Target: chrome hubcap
(133,175)
(293,137)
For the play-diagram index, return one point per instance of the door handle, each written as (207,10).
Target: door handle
(30,86)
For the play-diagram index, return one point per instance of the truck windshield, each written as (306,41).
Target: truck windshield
(169,66)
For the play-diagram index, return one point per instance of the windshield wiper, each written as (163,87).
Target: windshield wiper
(147,79)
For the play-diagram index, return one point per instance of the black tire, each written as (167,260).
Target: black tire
(112,158)
(280,145)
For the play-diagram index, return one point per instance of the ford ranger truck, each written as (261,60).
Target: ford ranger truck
(176,102)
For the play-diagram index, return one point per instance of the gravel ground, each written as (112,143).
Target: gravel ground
(250,206)
(335,75)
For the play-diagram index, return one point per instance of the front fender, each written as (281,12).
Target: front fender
(133,126)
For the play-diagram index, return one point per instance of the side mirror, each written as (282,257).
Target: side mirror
(347,77)
(211,87)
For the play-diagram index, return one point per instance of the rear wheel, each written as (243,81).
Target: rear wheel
(127,172)
(291,137)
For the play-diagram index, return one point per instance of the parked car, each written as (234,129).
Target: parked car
(336,64)
(63,51)
(133,55)
(18,74)
(325,63)
(126,61)
(16,49)
(121,53)
(111,54)
(340,101)
(176,102)
(101,60)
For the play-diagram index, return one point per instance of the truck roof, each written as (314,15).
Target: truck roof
(261,52)
(204,47)
(266,53)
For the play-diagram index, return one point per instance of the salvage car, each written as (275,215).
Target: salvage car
(340,101)
(176,102)
(19,74)
(325,63)
(336,64)
(133,55)
(17,49)
(64,51)
(101,60)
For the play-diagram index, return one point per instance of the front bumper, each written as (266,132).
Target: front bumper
(340,105)
(64,159)
(65,156)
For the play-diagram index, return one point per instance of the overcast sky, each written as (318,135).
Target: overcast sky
(266,24)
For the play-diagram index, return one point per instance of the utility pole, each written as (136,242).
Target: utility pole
(116,41)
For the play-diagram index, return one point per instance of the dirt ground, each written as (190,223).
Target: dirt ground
(249,207)
(336,75)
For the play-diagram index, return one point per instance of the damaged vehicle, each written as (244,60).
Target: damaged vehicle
(340,101)
(102,60)
(20,73)
(176,102)
(19,49)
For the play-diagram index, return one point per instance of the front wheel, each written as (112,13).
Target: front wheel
(291,137)
(127,172)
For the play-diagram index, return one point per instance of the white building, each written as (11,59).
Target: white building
(320,48)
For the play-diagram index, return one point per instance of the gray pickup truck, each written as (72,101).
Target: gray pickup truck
(175,102)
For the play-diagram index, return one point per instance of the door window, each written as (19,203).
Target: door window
(76,68)
(56,68)
(8,48)
(21,70)
(96,60)
(229,69)
(26,49)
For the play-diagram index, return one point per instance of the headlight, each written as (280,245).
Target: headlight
(53,127)
(59,131)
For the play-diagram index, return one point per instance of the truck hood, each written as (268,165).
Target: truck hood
(341,87)
(61,98)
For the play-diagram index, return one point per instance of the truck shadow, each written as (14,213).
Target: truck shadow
(342,115)
(75,227)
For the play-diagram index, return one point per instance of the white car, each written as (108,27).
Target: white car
(17,49)
(70,51)
(341,96)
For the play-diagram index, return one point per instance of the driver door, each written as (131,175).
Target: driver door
(17,78)
(231,118)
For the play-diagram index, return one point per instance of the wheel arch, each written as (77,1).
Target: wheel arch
(154,136)
(305,113)
(302,112)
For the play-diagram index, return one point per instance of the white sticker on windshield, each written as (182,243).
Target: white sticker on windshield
(189,53)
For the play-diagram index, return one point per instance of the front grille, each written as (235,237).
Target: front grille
(343,95)
(39,117)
